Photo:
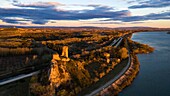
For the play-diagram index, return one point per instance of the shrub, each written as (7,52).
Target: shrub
(123,53)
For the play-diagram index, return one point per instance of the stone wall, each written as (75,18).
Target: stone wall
(58,72)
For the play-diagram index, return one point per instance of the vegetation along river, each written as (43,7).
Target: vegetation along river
(154,75)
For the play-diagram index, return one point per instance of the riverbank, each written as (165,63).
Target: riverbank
(154,68)
(126,79)
(81,81)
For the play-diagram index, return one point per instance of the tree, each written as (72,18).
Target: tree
(123,53)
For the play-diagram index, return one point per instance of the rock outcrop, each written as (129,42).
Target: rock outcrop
(59,74)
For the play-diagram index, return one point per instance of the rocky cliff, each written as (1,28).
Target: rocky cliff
(58,74)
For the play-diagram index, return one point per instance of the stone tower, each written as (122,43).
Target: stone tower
(65,51)
(58,72)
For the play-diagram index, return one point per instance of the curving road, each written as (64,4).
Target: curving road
(117,76)
(115,43)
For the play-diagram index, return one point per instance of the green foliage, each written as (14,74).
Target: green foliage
(40,90)
(80,75)
(138,48)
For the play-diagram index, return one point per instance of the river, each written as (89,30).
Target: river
(154,75)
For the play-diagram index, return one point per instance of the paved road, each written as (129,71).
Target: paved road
(27,72)
(116,42)
(12,79)
(116,77)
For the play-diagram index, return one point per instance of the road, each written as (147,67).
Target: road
(116,43)
(13,79)
(117,76)
(24,73)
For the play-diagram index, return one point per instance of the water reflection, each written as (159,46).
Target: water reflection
(154,76)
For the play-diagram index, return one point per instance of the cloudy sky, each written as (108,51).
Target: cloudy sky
(101,13)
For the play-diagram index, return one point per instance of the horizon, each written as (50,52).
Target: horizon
(132,27)
(95,13)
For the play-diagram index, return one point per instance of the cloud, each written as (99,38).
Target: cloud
(152,16)
(151,4)
(136,22)
(14,21)
(139,1)
(10,21)
(41,15)
(134,1)
(111,22)
(44,12)
(39,22)
(39,5)
(15,1)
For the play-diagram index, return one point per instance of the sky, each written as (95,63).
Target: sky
(73,13)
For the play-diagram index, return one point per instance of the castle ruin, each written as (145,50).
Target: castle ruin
(65,51)
(58,72)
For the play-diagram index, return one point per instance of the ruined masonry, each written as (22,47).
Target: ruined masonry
(58,72)
(65,51)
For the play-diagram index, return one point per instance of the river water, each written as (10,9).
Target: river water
(154,75)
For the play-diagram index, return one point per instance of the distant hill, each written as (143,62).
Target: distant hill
(135,28)
(88,27)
